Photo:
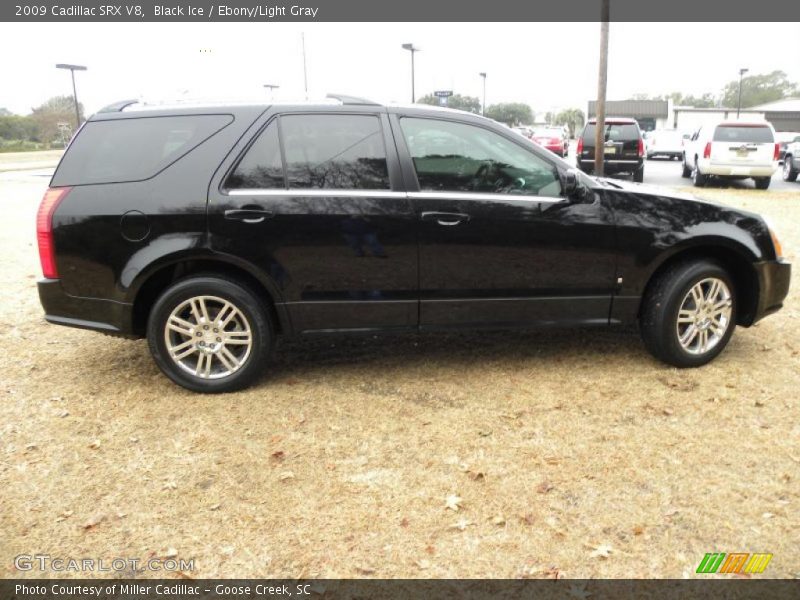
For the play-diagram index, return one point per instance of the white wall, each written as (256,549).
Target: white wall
(689,120)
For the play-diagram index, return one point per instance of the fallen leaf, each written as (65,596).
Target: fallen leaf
(95,445)
(278,455)
(453,502)
(461,524)
(365,570)
(214,507)
(423,564)
(169,485)
(286,475)
(638,530)
(602,551)
(667,412)
(544,487)
(404,522)
(94,521)
(768,515)
(476,475)
(485,432)
(171,553)
(527,518)
(498,520)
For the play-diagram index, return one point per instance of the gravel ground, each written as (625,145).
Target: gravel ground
(541,454)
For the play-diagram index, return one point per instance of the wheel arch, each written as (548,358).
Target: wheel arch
(735,258)
(150,284)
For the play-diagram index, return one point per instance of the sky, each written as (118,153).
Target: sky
(546,65)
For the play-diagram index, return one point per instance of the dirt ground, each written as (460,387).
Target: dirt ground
(539,454)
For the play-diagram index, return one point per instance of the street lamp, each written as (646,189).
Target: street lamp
(411,48)
(739,105)
(72,69)
(483,110)
(271,87)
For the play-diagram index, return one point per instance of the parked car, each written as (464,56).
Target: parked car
(553,139)
(212,230)
(784,138)
(791,162)
(664,142)
(524,131)
(732,150)
(623,149)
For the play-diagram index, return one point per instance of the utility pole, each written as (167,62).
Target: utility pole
(483,110)
(305,73)
(72,69)
(413,49)
(739,105)
(602,82)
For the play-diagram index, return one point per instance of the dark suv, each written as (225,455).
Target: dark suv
(211,230)
(623,151)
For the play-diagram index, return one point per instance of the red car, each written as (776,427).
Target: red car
(553,139)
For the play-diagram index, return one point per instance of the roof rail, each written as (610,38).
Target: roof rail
(117,106)
(352,100)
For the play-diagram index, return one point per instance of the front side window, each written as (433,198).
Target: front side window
(456,157)
(334,152)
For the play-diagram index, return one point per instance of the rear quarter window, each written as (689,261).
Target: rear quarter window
(753,134)
(124,150)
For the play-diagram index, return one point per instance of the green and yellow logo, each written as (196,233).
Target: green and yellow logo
(741,562)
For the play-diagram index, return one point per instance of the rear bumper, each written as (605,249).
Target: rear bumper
(613,166)
(732,170)
(773,283)
(97,314)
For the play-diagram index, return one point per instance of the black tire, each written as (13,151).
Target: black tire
(789,171)
(698,179)
(687,172)
(762,183)
(242,299)
(638,175)
(659,315)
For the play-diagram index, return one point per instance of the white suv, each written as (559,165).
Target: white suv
(791,161)
(732,150)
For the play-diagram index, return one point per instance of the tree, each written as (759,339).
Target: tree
(759,89)
(707,100)
(468,103)
(4,112)
(59,109)
(510,113)
(548,117)
(572,118)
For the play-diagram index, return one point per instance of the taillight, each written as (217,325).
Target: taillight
(641,147)
(777,154)
(44,229)
(580,146)
(707,150)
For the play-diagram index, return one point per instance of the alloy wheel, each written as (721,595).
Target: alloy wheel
(704,316)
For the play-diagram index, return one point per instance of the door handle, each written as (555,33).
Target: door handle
(446,219)
(248,215)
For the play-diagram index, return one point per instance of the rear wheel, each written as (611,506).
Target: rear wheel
(687,172)
(638,175)
(762,183)
(698,179)
(789,171)
(689,313)
(209,334)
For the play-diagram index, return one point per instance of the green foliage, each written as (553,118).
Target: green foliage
(49,125)
(50,116)
(510,113)
(468,103)
(759,89)
(572,118)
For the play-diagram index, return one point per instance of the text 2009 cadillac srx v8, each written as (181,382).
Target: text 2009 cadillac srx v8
(212,229)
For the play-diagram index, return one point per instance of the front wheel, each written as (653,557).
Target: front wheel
(689,313)
(209,334)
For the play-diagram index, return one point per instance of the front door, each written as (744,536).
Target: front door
(310,204)
(499,244)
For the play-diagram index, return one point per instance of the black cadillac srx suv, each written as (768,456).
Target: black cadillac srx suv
(211,230)
(623,150)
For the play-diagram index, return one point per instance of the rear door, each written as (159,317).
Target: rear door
(743,144)
(312,203)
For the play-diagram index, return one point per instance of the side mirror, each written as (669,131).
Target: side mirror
(572,187)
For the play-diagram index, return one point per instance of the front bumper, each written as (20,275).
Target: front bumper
(773,284)
(97,314)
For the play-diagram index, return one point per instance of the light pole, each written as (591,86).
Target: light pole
(412,48)
(483,110)
(271,87)
(72,69)
(739,105)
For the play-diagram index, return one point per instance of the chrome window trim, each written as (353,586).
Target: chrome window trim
(334,193)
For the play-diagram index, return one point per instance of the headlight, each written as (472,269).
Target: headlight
(776,243)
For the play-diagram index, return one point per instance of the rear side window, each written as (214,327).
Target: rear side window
(616,132)
(753,134)
(334,152)
(261,167)
(125,150)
